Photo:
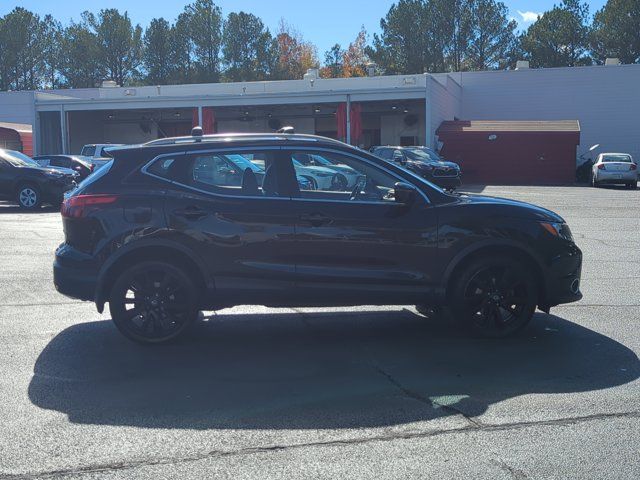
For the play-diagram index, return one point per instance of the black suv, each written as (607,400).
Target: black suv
(424,162)
(31,185)
(167,229)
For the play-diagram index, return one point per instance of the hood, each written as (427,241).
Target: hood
(320,169)
(514,208)
(343,169)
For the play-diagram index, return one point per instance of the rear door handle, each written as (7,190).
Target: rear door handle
(191,213)
(316,219)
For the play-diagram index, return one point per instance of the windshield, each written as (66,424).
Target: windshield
(617,158)
(18,159)
(423,154)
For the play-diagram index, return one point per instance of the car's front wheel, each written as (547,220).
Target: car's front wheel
(494,296)
(29,197)
(153,302)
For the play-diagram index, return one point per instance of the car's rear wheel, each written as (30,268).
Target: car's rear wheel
(312,181)
(29,197)
(494,296)
(153,302)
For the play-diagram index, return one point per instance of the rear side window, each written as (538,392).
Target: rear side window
(243,173)
(97,175)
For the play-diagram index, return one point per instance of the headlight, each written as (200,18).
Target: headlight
(53,174)
(556,229)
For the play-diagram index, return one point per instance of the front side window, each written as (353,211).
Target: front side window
(336,176)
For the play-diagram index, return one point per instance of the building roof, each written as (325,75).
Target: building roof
(460,126)
(18,127)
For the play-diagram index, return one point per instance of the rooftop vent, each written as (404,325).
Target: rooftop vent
(612,61)
(312,74)
(522,64)
(109,84)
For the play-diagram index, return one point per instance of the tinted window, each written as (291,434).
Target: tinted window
(101,172)
(385,153)
(616,158)
(335,176)
(88,150)
(60,162)
(251,173)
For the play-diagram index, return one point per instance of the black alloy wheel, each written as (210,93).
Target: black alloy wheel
(153,302)
(495,297)
(339,183)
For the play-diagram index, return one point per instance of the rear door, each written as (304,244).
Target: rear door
(235,217)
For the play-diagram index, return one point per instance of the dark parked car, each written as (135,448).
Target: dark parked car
(29,184)
(160,233)
(425,162)
(72,162)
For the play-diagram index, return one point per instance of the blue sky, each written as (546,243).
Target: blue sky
(324,22)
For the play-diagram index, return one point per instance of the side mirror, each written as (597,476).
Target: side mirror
(404,193)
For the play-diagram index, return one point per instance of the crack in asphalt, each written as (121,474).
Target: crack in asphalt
(427,401)
(217,454)
(512,471)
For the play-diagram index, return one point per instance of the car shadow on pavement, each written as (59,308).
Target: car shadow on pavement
(315,370)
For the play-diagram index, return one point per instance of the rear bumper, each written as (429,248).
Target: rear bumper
(71,278)
(617,177)
(564,277)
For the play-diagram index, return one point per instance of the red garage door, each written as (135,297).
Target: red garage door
(16,136)
(512,152)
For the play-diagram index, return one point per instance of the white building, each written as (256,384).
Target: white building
(404,109)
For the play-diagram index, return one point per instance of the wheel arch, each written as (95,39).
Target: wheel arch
(160,250)
(516,251)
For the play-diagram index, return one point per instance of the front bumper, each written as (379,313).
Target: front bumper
(445,182)
(563,279)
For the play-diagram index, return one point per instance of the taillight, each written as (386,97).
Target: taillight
(601,166)
(92,167)
(77,207)
(633,166)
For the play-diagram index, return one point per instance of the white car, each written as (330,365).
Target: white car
(323,173)
(614,168)
(96,153)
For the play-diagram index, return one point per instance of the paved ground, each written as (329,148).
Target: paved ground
(350,393)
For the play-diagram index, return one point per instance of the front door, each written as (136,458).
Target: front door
(352,235)
(227,205)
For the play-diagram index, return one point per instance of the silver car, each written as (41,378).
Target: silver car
(614,168)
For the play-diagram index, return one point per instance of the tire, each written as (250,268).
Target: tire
(632,186)
(312,181)
(28,196)
(494,297)
(339,183)
(153,302)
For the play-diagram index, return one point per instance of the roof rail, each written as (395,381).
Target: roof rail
(238,137)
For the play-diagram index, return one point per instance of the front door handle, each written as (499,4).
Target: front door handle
(316,219)
(191,213)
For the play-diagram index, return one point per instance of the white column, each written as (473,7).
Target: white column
(63,129)
(349,119)
(200,116)
(428,138)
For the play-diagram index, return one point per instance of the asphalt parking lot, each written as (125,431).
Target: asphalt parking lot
(326,393)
